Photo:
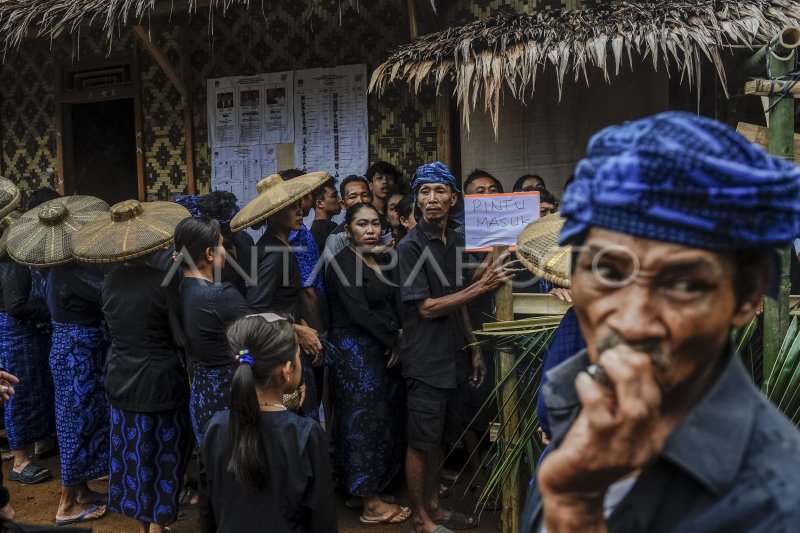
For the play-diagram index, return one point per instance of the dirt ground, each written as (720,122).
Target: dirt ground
(36,504)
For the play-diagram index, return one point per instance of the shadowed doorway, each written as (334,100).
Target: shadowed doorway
(102,159)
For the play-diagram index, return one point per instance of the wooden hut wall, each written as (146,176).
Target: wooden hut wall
(402,127)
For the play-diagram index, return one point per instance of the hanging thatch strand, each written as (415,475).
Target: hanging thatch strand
(511,49)
(51,18)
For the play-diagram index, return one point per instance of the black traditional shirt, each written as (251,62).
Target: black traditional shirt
(144,372)
(298,496)
(21,296)
(431,268)
(73,293)
(277,289)
(733,464)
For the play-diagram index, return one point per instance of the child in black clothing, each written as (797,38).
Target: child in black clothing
(265,468)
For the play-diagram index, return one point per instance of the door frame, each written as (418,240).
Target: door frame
(65,100)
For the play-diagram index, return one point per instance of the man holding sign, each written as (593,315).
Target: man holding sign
(436,329)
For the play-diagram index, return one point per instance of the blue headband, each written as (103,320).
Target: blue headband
(433,173)
(684,179)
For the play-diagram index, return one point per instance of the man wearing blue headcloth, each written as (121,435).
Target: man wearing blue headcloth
(436,329)
(656,425)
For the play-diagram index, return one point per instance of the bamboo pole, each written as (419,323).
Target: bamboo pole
(509,415)
(780,58)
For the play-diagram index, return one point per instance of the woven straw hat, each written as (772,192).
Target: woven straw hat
(42,237)
(5,225)
(10,197)
(273,195)
(538,250)
(129,230)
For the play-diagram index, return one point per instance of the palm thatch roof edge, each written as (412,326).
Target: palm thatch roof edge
(510,49)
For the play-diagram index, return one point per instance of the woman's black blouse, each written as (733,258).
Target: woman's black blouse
(144,372)
(277,289)
(368,304)
(73,293)
(207,309)
(16,299)
(299,492)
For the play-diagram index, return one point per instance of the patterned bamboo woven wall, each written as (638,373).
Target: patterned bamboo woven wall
(402,128)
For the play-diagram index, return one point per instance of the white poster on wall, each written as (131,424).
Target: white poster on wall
(238,169)
(330,115)
(250,110)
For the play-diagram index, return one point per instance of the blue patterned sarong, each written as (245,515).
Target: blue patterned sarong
(148,457)
(367,401)
(24,352)
(211,393)
(77,359)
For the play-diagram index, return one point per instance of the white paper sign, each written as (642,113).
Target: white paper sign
(330,114)
(498,219)
(250,110)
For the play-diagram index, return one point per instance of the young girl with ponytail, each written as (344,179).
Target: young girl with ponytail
(264,467)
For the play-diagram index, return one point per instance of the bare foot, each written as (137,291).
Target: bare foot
(7,512)
(86,496)
(80,510)
(376,509)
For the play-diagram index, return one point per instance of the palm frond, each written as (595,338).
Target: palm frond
(783,385)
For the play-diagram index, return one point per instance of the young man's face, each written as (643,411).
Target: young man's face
(381,185)
(354,192)
(330,202)
(484,185)
(306,203)
(546,208)
(435,201)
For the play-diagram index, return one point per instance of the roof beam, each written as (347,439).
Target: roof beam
(162,61)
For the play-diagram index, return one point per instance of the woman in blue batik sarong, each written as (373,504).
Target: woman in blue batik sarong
(145,378)
(367,384)
(207,308)
(77,357)
(24,352)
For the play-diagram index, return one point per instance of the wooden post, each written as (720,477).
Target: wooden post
(509,416)
(188,116)
(781,59)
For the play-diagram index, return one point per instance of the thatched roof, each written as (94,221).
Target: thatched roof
(510,49)
(51,18)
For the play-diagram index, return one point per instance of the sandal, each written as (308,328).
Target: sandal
(458,521)
(84,516)
(30,475)
(389,519)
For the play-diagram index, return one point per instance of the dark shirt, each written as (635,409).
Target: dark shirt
(298,495)
(482,309)
(73,293)
(430,268)
(277,289)
(566,341)
(144,372)
(730,465)
(207,309)
(22,292)
(240,246)
(367,303)
(320,229)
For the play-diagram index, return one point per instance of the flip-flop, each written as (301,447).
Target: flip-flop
(458,521)
(30,475)
(81,518)
(387,519)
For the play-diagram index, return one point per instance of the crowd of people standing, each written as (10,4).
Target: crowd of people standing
(129,355)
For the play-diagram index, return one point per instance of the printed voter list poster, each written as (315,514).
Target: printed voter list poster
(498,219)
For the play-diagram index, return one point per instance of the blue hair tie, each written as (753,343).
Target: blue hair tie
(245,357)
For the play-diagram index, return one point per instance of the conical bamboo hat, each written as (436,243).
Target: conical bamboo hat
(5,225)
(273,195)
(42,237)
(129,230)
(10,197)
(538,250)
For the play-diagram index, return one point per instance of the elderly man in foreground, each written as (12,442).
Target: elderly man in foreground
(657,426)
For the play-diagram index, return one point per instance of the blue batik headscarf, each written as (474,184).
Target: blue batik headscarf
(439,173)
(684,179)
(198,207)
